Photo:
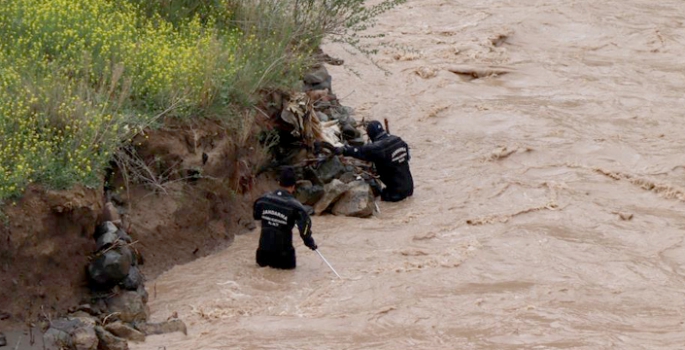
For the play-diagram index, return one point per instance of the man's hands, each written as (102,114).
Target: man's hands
(309,242)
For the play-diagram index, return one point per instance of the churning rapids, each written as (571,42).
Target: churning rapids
(547,141)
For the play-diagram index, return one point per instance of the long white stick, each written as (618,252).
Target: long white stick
(327,263)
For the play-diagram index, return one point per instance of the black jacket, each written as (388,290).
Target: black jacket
(279,212)
(390,155)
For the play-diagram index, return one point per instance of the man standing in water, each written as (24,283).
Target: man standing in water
(390,156)
(279,212)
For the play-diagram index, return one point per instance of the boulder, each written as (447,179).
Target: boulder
(330,169)
(103,228)
(130,306)
(332,191)
(307,193)
(106,240)
(348,177)
(133,280)
(170,326)
(110,268)
(125,331)
(349,132)
(109,341)
(357,201)
(318,79)
(124,236)
(54,338)
(73,333)
(84,338)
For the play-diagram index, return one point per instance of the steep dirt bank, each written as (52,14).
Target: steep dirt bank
(188,192)
(46,238)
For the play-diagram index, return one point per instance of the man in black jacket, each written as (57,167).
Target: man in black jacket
(279,212)
(390,156)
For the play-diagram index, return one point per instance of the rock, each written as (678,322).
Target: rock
(143,293)
(330,169)
(332,191)
(3,339)
(318,79)
(127,253)
(84,338)
(307,193)
(109,268)
(124,236)
(73,333)
(122,330)
(163,327)
(133,280)
(349,132)
(103,228)
(109,341)
(106,240)
(359,141)
(111,213)
(348,177)
(343,115)
(57,339)
(88,309)
(357,201)
(323,117)
(130,305)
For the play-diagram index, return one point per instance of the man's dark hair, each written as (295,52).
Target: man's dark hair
(375,130)
(288,177)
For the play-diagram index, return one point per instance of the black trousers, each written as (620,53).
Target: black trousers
(279,259)
(387,196)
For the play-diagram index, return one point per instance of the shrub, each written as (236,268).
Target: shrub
(80,77)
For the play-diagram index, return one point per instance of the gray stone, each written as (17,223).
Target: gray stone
(133,280)
(54,338)
(357,201)
(124,236)
(84,338)
(130,306)
(128,254)
(323,117)
(87,308)
(122,330)
(143,293)
(359,141)
(332,191)
(318,79)
(307,193)
(170,326)
(109,341)
(349,132)
(103,228)
(348,177)
(330,169)
(106,240)
(110,268)
(72,332)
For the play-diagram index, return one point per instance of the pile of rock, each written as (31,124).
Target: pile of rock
(118,311)
(329,182)
(310,125)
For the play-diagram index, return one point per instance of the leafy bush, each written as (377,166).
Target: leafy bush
(79,77)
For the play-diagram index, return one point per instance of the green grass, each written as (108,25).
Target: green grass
(79,78)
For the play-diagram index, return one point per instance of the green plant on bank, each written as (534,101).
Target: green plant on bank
(79,78)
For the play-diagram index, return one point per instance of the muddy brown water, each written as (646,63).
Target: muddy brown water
(548,212)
